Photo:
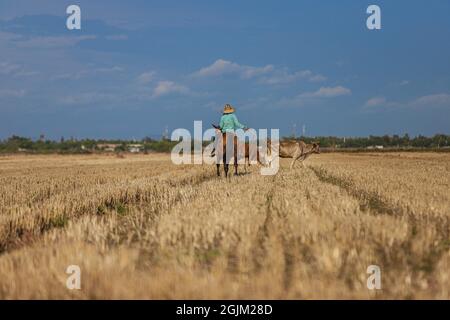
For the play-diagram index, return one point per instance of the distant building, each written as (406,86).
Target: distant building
(108,147)
(135,148)
(375,147)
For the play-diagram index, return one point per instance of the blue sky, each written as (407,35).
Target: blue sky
(138,66)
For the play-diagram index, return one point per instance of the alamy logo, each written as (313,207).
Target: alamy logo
(374,280)
(74,20)
(374,20)
(74,280)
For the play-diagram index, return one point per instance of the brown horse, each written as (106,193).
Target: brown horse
(224,148)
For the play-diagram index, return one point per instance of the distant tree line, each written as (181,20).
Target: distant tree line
(395,141)
(15,143)
(83,146)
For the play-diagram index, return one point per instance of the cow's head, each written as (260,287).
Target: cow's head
(315,147)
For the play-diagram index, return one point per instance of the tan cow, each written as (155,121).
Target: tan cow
(297,150)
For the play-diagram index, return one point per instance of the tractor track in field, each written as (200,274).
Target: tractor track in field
(373,204)
(367,200)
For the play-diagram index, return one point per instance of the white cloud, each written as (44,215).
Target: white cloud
(254,103)
(52,42)
(376,101)
(284,77)
(7,36)
(251,72)
(404,82)
(15,70)
(88,97)
(222,67)
(317,78)
(88,72)
(7,68)
(267,74)
(327,92)
(24,73)
(8,93)
(146,77)
(164,88)
(314,96)
(117,37)
(427,101)
(440,99)
(218,68)
(108,69)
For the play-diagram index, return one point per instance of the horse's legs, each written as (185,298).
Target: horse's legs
(302,160)
(293,162)
(236,169)
(218,169)
(225,164)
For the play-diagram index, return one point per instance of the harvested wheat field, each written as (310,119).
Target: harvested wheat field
(141,227)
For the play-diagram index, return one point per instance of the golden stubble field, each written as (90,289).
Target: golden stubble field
(141,227)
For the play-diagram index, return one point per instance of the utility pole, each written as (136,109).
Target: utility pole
(165,135)
(304,130)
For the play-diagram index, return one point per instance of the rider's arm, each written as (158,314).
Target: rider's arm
(237,124)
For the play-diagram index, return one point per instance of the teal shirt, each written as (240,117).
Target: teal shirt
(229,122)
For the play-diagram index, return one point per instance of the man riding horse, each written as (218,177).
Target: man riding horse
(227,126)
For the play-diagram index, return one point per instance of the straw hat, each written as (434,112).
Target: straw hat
(228,109)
